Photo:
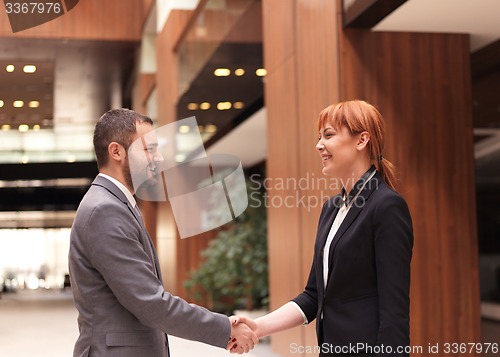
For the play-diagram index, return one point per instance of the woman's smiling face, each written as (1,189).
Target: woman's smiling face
(338,150)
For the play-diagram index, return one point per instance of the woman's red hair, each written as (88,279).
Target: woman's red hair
(359,116)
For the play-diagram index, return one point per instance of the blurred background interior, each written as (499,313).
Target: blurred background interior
(256,73)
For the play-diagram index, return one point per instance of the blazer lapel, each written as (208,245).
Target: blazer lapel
(151,250)
(115,191)
(354,211)
(322,235)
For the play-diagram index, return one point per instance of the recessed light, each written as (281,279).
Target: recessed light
(29,68)
(261,72)
(211,128)
(5,127)
(34,104)
(205,106)
(239,72)
(23,128)
(180,157)
(238,105)
(192,106)
(224,105)
(10,68)
(18,104)
(36,127)
(24,159)
(222,72)
(1,103)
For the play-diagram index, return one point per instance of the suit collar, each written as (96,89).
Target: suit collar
(111,187)
(358,186)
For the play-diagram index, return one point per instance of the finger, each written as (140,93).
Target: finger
(235,320)
(230,344)
(234,349)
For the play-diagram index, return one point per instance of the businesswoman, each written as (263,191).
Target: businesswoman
(358,287)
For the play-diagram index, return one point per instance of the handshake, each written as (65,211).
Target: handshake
(244,335)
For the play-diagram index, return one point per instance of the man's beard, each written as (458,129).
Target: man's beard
(127,175)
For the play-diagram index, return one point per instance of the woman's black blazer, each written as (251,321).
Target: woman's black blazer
(366,300)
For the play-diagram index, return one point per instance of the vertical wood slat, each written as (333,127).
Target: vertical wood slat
(89,20)
(421,84)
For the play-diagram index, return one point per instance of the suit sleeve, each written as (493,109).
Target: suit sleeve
(112,240)
(308,299)
(393,239)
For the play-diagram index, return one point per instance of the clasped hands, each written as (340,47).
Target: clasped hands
(244,335)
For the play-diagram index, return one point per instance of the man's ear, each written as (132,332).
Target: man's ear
(116,151)
(363,140)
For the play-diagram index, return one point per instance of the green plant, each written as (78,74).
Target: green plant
(233,274)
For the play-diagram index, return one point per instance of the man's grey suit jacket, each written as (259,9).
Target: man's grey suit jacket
(123,308)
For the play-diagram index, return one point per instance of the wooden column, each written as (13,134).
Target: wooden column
(167,94)
(421,84)
(300,55)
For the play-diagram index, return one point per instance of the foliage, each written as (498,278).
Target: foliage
(234,273)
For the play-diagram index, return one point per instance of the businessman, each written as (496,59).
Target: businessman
(124,310)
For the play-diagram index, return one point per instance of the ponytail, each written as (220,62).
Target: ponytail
(387,170)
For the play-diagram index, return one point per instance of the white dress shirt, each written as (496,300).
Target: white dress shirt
(339,218)
(122,188)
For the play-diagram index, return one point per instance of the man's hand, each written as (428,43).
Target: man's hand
(243,339)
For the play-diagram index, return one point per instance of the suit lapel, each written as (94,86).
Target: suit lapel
(115,191)
(354,211)
(322,235)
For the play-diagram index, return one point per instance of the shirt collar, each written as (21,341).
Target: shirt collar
(122,188)
(358,186)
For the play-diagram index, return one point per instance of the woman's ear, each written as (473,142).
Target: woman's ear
(363,140)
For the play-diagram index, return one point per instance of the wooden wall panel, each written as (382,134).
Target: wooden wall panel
(421,84)
(89,20)
(300,55)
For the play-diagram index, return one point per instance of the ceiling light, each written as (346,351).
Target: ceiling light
(239,72)
(184,129)
(224,105)
(205,106)
(10,68)
(1,103)
(18,104)
(192,106)
(5,127)
(29,68)
(180,157)
(211,128)
(70,159)
(34,104)
(238,105)
(36,127)
(261,72)
(23,128)
(24,159)
(222,72)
